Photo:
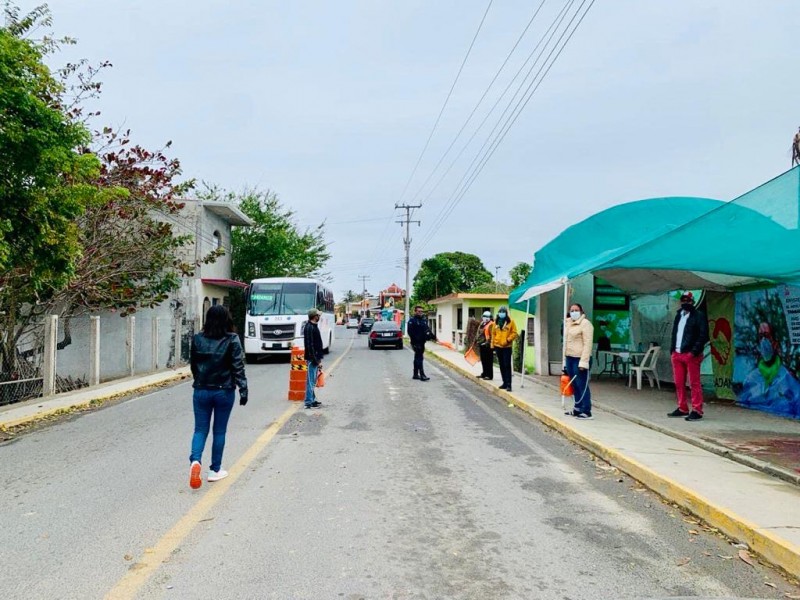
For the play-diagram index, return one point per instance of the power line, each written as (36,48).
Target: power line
(553,26)
(521,104)
(446,100)
(480,101)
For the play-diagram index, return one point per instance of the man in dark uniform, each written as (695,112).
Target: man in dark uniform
(419,333)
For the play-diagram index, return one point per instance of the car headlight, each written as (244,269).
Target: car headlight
(251,329)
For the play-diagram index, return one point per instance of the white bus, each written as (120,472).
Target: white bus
(276,309)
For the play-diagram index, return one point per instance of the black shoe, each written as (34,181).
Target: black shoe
(678,413)
(572,413)
(415,377)
(694,416)
(424,378)
(584,416)
(508,389)
(314,404)
(503,387)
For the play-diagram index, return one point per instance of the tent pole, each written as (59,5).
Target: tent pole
(564,327)
(524,345)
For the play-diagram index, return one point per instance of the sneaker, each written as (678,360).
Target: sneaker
(217,475)
(694,416)
(584,416)
(195,481)
(572,413)
(314,404)
(678,413)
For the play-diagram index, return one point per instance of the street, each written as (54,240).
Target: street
(394,489)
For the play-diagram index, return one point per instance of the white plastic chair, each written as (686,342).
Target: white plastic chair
(648,367)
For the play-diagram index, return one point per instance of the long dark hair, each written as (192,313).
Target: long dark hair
(218,322)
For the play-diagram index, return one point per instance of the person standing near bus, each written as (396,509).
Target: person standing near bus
(218,368)
(312,340)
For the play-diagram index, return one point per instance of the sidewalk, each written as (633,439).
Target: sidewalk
(736,469)
(14,415)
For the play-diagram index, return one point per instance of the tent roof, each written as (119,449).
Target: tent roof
(604,236)
(752,240)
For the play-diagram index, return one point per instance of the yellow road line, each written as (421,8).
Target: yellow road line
(140,572)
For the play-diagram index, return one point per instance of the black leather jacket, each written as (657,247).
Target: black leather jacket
(218,363)
(312,340)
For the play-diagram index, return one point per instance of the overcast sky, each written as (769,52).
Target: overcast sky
(330,104)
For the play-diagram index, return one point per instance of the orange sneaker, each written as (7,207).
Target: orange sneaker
(195,481)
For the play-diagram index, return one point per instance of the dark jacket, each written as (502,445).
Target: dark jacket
(312,340)
(695,333)
(218,363)
(418,331)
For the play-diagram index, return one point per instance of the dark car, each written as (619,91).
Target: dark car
(365,325)
(385,333)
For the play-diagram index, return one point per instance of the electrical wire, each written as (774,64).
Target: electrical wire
(446,100)
(461,190)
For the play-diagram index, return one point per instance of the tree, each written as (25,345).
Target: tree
(44,177)
(519,273)
(449,272)
(273,246)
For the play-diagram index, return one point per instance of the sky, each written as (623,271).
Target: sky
(331,104)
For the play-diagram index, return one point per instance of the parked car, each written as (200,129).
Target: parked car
(352,323)
(366,325)
(385,333)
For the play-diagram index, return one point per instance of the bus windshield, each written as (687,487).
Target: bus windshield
(282,298)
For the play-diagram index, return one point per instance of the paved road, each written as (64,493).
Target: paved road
(395,489)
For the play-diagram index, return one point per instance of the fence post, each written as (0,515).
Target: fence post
(131,345)
(154,344)
(94,350)
(49,362)
(178,335)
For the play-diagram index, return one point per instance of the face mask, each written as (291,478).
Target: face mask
(765,347)
(575,315)
(501,314)
(686,307)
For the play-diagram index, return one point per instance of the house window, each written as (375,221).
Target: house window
(217,240)
(206,306)
(529,332)
(460,319)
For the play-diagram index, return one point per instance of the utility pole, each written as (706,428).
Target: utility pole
(364,279)
(407,243)
(497,279)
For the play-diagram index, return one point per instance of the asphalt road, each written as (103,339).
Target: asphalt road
(394,489)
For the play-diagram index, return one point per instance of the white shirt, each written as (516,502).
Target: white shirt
(681,327)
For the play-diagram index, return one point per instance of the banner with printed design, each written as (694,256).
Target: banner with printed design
(721,308)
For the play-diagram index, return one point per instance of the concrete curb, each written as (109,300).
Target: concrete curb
(64,403)
(723,451)
(775,550)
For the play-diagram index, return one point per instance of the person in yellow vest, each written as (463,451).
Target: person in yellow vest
(579,334)
(484,343)
(504,333)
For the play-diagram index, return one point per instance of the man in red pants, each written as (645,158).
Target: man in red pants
(689,337)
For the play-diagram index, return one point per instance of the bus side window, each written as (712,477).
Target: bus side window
(320,300)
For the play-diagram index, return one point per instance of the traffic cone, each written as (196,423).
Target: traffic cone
(298,375)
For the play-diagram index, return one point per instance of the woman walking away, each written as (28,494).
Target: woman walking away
(218,369)
(504,333)
(579,335)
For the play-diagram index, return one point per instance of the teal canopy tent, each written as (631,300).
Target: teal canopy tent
(604,236)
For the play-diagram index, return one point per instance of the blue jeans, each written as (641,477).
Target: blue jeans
(311,382)
(583,397)
(208,402)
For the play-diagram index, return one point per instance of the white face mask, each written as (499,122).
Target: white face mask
(575,315)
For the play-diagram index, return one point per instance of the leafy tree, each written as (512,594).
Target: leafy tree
(44,176)
(449,272)
(351,296)
(519,273)
(273,246)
